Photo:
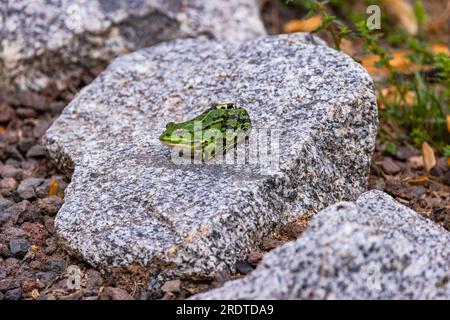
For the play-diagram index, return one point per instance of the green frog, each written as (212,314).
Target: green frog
(218,128)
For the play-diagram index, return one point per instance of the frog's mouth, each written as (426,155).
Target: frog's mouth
(177,143)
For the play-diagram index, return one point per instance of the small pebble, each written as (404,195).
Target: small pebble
(54,265)
(19,247)
(243,267)
(36,151)
(13,294)
(27,188)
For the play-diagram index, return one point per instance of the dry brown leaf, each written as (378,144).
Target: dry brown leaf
(35,294)
(391,95)
(348,47)
(404,13)
(418,181)
(429,159)
(399,61)
(436,48)
(53,188)
(2,129)
(448,122)
(416,162)
(303,25)
(368,62)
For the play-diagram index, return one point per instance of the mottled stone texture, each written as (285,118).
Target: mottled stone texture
(128,203)
(47,44)
(374,248)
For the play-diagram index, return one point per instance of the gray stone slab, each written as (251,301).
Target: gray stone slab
(374,248)
(130,202)
(48,44)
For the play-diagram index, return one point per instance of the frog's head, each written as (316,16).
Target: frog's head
(176,134)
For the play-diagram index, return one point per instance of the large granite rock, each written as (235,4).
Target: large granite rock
(374,248)
(46,44)
(131,203)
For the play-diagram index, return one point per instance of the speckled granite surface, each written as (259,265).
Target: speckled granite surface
(46,44)
(374,248)
(129,203)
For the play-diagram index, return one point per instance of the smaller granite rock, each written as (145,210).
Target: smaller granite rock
(374,248)
(27,188)
(19,247)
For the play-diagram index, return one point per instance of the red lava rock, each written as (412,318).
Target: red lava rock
(49,224)
(35,264)
(37,233)
(29,284)
(254,257)
(27,188)
(74,296)
(13,294)
(8,171)
(446,178)
(93,279)
(110,293)
(25,144)
(18,211)
(6,113)
(172,286)
(269,244)
(36,151)
(32,100)
(26,113)
(440,168)
(169,296)
(13,233)
(49,205)
(403,153)
(8,283)
(397,188)
(13,152)
(390,167)
(8,186)
(40,128)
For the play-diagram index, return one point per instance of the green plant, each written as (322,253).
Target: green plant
(391,148)
(447,151)
(420,100)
